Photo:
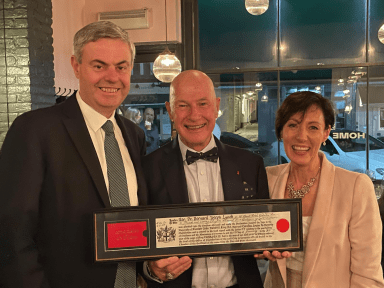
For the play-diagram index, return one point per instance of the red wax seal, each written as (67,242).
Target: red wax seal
(282,225)
(127,234)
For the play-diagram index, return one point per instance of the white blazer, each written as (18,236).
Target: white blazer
(344,238)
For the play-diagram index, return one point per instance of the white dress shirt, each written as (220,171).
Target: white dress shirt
(204,185)
(94,120)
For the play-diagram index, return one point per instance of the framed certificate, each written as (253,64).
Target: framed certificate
(198,229)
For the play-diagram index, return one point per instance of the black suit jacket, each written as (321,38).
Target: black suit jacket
(240,171)
(51,182)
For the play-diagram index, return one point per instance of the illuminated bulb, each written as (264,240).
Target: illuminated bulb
(258,86)
(348,108)
(219,113)
(250,93)
(256,7)
(317,88)
(352,78)
(381,34)
(340,82)
(360,71)
(166,66)
(264,98)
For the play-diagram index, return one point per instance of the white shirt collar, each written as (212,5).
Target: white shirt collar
(93,118)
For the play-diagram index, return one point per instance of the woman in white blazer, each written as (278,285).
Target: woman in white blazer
(341,220)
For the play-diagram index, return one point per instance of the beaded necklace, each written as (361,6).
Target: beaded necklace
(300,193)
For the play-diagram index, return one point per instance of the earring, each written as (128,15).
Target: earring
(324,143)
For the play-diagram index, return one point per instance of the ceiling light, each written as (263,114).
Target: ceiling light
(381,34)
(258,87)
(256,7)
(166,66)
(264,98)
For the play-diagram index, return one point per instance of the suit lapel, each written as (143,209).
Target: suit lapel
(172,170)
(278,189)
(78,131)
(319,218)
(230,174)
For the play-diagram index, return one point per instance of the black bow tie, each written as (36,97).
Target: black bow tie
(210,155)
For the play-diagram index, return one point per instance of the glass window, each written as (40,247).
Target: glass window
(231,38)
(322,32)
(145,106)
(376,20)
(375,107)
(247,107)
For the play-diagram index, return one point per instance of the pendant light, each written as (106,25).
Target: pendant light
(256,7)
(264,98)
(380,34)
(166,66)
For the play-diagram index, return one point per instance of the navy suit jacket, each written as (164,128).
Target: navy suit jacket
(240,171)
(51,182)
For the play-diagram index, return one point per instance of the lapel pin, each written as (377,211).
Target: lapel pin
(238,172)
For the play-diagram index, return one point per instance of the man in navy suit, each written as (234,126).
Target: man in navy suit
(172,179)
(53,172)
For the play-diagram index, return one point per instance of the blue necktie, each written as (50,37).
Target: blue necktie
(119,197)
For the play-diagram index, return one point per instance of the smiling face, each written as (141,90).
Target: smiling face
(104,74)
(193,108)
(302,136)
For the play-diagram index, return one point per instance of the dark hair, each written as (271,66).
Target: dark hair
(299,102)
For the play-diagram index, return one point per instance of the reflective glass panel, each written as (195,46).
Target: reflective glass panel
(145,106)
(375,121)
(321,32)
(232,38)
(247,111)
(376,21)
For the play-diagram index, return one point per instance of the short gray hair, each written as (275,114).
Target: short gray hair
(98,30)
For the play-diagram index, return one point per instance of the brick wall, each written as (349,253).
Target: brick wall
(26,59)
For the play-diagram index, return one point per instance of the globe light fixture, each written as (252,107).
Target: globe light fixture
(256,7)
(258,87)
(381,34)
(264,98)
(166,66)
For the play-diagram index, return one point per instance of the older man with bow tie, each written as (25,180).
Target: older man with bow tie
(197,167)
